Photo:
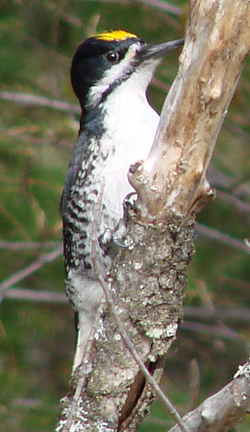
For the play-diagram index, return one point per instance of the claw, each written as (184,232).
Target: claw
(119,238)
(119,234)
(110,240)
(127,205)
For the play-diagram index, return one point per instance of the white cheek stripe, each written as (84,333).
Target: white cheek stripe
(111,76)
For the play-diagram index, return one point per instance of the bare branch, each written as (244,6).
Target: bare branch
(158,4)
(31,100)
(240,284)
(213,331)
(67,17)
(222,411)
(166,6)
(235,202)
(16,246)
(222,238)
(35,296)
(194,383)
(235,315)
(26,271)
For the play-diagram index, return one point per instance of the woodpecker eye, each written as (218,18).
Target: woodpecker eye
(112,57)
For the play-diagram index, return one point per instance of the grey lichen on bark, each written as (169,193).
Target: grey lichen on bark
(151,281)
(151,278)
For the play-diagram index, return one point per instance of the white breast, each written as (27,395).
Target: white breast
(131,124)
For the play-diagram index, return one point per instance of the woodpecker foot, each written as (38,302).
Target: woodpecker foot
(110,240)
(119,236)
(128,204)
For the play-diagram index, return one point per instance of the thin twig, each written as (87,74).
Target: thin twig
(236,202)
(64,16)
(212,331)
(208,302)
(35,296)
(166,6)
(31,100)
(194,385)
(26,271)
(241,285)
(16,246)
(231,314)
(222,238)
(158,4)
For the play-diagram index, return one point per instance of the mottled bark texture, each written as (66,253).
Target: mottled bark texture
(151,277)
(109,392)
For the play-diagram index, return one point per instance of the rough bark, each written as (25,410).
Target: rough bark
(173,177)
(109,393)
(150,283)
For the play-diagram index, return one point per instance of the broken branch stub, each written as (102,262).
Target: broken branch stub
(173,177)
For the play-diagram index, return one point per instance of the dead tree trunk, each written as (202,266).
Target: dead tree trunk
(148,279)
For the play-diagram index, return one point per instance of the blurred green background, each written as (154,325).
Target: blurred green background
(38,40)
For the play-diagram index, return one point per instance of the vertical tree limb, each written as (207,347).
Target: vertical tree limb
(174,175)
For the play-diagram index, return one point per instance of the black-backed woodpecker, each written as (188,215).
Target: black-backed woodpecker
(110,74)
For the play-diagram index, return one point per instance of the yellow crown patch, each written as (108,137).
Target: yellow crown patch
(115,35)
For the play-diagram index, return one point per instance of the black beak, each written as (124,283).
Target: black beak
(149,52)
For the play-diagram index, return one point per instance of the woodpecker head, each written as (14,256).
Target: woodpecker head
(104,62)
